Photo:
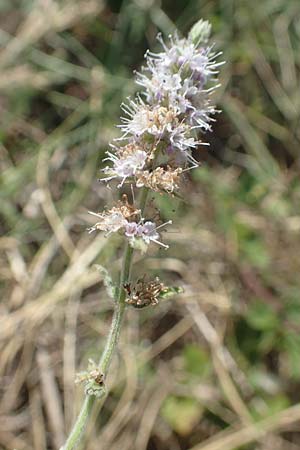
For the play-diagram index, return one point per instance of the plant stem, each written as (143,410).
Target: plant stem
(80,424)
(115,328)
(76,433)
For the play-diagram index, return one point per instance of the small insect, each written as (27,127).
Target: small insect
(143,293)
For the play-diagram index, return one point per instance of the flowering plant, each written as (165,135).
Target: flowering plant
(160,129)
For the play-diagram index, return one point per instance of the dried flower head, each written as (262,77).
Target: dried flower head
(127,219)
(144,293)
(127,209)
(143,119)
(115,218)
(126,161)
(159,179)
(93,380)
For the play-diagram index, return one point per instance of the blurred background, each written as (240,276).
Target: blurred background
(217,367)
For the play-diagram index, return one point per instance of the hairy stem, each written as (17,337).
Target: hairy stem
(76,433)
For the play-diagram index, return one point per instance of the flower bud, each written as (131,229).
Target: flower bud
(200,32)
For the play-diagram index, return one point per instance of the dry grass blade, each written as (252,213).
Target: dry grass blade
(151,412)
(231,439)
(37,420)
(272,85)
(228,348)
(47,16)
(51,397)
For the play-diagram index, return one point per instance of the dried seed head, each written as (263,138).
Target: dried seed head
(145,119)
(144,293)
(115,218)
(93,380)
(126,161)
(128,211)
(160,179)
(92,373)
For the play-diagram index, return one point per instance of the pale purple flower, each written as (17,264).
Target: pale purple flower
(124,167)
(131,229)
(177,85)
(149,232)
(178,77)
(146,231)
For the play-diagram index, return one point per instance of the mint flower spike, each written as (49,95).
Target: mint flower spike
(168,117)
(161,130)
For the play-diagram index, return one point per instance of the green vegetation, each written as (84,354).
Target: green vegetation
(224,355)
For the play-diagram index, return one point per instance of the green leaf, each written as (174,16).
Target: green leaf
(269,406)
(262,317)
(255,252)
(197,361)
(170,291)
(181,413)
(291,344)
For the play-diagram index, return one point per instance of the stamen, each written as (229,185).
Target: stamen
(164,224)
(95,214)
(160,243)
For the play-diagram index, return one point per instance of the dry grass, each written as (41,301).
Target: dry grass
(218,366)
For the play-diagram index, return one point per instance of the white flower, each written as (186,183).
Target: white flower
(138,121)
(143,119)
(164,125)
(125,165)
(160,84)
(110,221)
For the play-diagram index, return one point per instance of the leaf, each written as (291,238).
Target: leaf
(111,288)
(181,413)
(291,344)
(197,361)
(170,291)
(255,252)
(269,406)
(262,317)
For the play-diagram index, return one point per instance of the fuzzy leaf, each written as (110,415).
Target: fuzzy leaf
(170,291)
(111,288)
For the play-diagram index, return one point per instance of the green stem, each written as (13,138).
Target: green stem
(143,200)
(80,424)
(115,328)
(111,343)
